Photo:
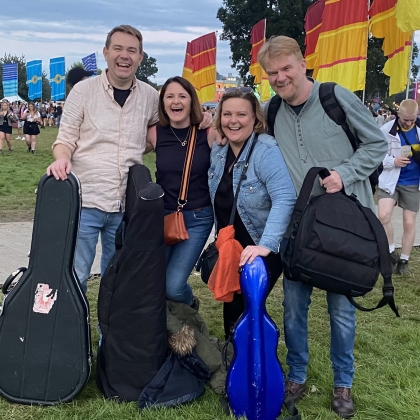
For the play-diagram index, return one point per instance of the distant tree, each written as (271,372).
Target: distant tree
(148,68)
(21,62)
(46,87)
(219,76)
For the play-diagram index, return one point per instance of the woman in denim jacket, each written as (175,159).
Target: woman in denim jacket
(266,197)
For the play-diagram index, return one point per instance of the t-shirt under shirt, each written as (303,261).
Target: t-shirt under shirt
(121,95)
(410,174)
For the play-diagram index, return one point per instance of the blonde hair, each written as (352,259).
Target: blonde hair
(278,46)
(126,29)
(409,107)
(260,126)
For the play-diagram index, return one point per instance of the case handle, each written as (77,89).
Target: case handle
(9,279)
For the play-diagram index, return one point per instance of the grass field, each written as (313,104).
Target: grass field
(387,349)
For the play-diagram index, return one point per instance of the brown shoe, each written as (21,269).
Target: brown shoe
(294,393)
(342,403)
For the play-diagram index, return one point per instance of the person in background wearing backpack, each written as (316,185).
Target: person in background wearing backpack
(307,137)
(399,181)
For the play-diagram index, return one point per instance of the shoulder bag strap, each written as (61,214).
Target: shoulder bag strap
(335,111)
(273,108)
(384,263)
(183,192)
(243,176)
(400,131)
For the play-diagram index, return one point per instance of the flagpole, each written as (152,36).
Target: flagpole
(215,76)
(367,47)
(409,66)
(262,72)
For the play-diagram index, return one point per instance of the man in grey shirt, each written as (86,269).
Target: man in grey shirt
(307,137)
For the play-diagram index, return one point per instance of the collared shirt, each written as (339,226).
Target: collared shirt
(313,139)
(105,139)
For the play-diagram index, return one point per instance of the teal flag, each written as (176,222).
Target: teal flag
(57,78)
(34,79)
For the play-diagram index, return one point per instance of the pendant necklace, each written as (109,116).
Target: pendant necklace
(183,143)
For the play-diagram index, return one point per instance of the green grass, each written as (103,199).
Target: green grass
(387,349)
(21,171)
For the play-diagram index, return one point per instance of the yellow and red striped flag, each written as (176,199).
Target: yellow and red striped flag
(187,72)
(255,69)
(203,53)
(257,41)
(342,44)
(408,15)
(396,45)
(313,22)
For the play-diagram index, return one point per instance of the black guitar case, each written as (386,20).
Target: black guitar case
(132,295)
(45,349)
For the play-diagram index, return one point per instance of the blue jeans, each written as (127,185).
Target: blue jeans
(297,298)
(93,221)
(58,120)
(181,257)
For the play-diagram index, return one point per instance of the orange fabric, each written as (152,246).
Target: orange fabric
(187,72)
(203,53)
(340,53)
(396,45)
(313,23)
(257,41)
(224,279)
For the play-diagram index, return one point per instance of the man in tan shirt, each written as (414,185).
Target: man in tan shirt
(102,134)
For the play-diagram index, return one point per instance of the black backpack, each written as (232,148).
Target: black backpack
(338,245)
(335,112)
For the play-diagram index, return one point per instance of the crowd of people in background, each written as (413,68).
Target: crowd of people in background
(28,118)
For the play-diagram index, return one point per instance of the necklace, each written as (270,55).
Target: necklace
(183,143)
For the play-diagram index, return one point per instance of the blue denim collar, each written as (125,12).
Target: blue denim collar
(223,152)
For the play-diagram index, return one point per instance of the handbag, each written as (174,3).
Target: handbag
(175,230)
(210,255)
(415,154)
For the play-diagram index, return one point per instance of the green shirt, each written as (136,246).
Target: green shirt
(313,139)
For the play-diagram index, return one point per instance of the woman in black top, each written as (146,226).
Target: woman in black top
(179,109)
(6,120)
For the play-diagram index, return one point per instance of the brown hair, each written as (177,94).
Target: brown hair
(278,46)
(127,29)
(196,115)
(260,126)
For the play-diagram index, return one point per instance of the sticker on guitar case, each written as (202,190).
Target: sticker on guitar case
(44,299)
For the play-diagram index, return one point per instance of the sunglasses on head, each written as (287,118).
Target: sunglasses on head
(243,89)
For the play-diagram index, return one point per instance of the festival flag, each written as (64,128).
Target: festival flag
(203,53)
(34,78)
(313,22)
(255,69)
(407,14)
(257,41)
(57,78)
(187,72)
(396,45)
(10,79)
(342,44)
(89,63)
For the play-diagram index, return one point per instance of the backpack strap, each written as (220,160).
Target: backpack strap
(335,111)
(273,108)
(384,263)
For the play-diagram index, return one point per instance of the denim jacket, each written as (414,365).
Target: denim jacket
(267,195)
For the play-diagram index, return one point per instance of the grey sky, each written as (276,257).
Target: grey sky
(45,29)
(74,29)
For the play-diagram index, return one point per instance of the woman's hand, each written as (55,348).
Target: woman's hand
(251,252)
